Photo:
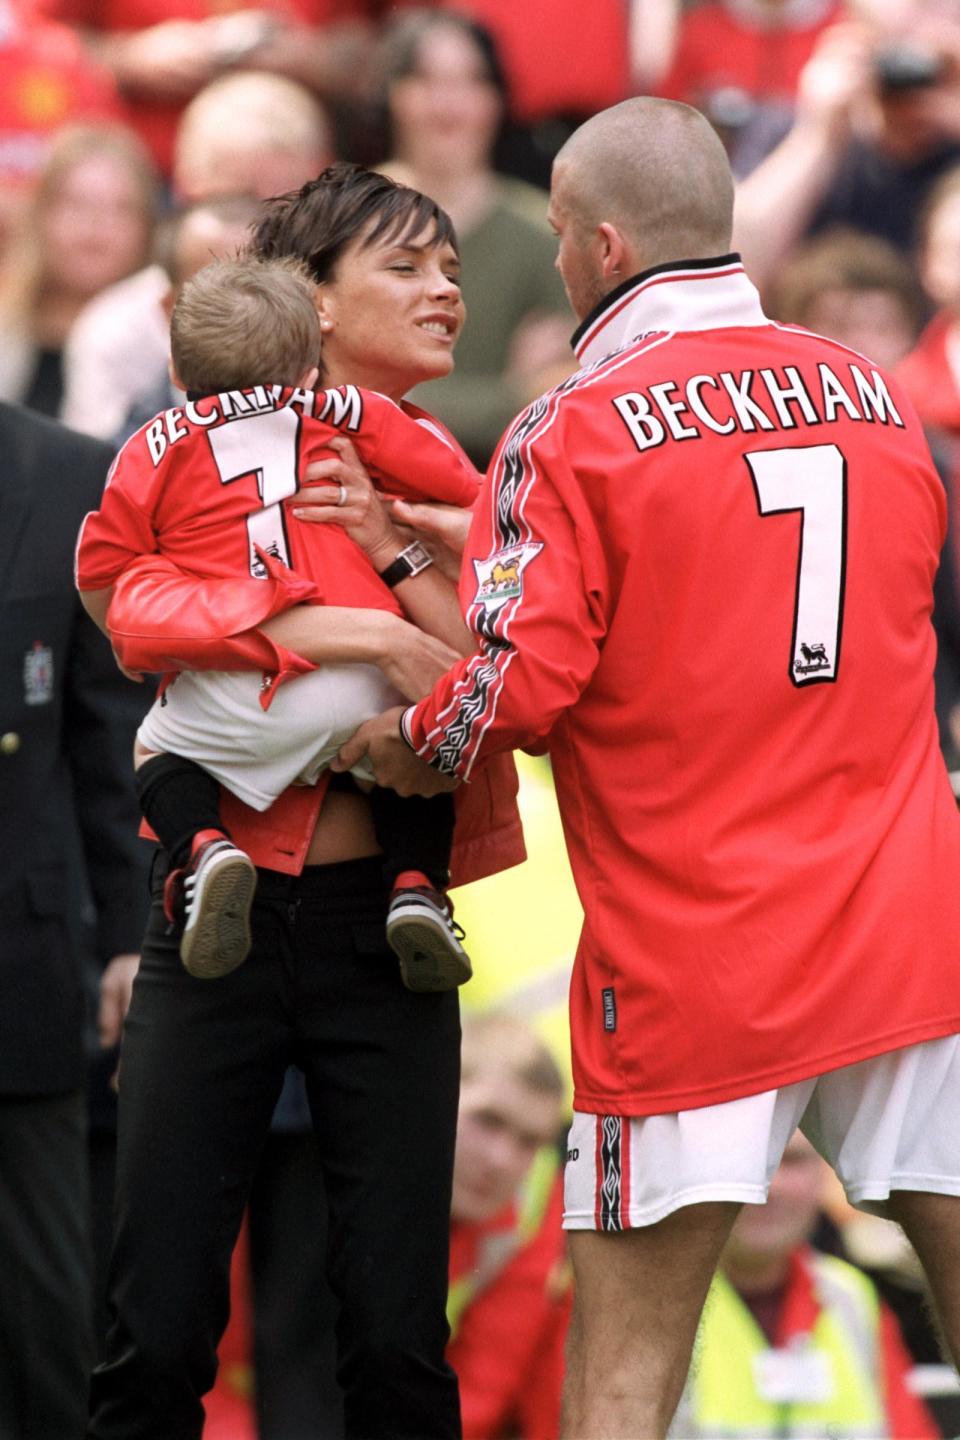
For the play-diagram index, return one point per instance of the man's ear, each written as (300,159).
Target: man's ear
(612,250)
(310,378)
(169,300)
(174,377)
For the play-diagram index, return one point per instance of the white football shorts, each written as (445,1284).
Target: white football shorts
(888,1123)
(215,718)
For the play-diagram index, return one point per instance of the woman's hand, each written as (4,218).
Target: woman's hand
(348,499)
(443,528)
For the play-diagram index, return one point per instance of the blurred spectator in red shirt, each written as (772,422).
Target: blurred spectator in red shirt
(46,81)
(88,223)
(737,58)
(931,372)
(162,52)
(508,1305)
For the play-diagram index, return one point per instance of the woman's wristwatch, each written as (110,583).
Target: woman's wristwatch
(409,562)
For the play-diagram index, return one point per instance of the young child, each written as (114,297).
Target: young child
(204,485)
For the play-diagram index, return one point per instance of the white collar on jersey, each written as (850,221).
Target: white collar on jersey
(686,295)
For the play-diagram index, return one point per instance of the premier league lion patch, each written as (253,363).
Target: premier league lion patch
(500,578)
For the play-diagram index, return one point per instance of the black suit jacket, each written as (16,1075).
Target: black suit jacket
(67,721)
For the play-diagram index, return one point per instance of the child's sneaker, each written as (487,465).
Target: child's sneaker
(421,932)
(212,895)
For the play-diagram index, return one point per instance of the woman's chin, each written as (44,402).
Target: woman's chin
(436,368)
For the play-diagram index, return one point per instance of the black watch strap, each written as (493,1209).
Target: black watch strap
(409,562)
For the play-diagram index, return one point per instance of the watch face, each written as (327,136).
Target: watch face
(416,556)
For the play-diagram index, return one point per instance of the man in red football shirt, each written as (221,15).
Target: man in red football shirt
(701,574)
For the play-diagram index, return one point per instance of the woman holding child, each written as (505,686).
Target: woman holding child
(203,1061)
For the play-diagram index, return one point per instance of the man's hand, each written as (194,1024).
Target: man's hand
(116,985)
(837,80)
(394,764)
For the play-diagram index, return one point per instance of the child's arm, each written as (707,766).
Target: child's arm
(97,603)
(114,535)
(162,619)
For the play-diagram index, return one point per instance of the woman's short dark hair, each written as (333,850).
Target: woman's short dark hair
(316,223)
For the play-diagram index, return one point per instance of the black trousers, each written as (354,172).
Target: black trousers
(46,1267)
(202,1065)
(294,1312)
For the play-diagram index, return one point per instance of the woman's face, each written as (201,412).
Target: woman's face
(94,229)
(391,314)
(446,112)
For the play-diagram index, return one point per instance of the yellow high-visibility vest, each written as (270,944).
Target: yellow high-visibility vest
(825,1382)
(523,925)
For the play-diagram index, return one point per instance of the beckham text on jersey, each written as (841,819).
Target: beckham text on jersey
(753,400)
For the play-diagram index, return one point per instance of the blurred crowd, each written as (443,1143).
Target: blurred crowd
(137,138)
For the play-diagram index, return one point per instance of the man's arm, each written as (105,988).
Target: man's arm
(537,612)
(776,203)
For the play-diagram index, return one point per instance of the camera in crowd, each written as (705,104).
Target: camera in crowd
(903,67)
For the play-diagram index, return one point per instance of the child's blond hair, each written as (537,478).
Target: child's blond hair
(245,322)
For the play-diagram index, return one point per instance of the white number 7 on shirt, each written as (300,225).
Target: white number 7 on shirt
(813,481)
(265,446)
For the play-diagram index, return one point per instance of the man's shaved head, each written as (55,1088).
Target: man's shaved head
(657,171)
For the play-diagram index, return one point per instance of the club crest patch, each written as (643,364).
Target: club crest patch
(38,674)
(500,578)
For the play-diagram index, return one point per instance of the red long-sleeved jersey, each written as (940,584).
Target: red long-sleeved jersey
(198,494)
(206,485)
(701,572)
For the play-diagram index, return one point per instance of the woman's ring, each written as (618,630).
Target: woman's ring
(342,496)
